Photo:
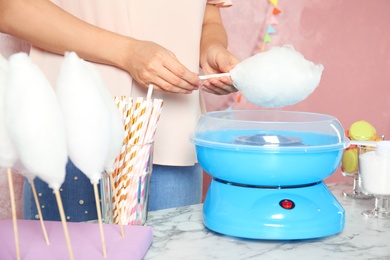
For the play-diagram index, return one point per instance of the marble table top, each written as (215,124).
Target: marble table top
(179,233)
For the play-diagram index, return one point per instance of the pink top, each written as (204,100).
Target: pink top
(177,28)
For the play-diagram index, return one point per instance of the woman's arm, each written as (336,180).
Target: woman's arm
(49,27)
(214,56)
(213,32)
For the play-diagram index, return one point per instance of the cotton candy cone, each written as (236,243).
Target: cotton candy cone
(276,78)
(87,119)
(34,121)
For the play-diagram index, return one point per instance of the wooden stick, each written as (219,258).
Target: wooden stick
(64,225)
(99,212)
(39,212)
(116,205)
(12,196)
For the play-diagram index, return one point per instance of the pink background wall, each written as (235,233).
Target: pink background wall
(350,38)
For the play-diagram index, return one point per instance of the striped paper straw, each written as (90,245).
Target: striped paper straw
(130,177)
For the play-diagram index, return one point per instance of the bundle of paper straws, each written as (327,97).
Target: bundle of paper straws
(130,179)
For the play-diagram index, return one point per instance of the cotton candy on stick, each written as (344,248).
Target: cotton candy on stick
(36,127)
(117,133)
(87,119)
(278,77)
(94,128)
(8,154)
(34,121)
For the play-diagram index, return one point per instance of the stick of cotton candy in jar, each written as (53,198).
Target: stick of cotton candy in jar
(276,78)
(94,134)
(36,127)
(374,167)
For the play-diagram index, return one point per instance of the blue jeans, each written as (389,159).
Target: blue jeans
(171,186)
(175,186)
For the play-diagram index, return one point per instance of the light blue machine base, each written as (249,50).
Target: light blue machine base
(256,213)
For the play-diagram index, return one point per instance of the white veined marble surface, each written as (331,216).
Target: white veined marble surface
(179,233)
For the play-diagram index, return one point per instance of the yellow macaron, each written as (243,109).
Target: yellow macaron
(362,131)
(350,160)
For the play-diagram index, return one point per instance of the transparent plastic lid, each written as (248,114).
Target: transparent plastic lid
(269,130)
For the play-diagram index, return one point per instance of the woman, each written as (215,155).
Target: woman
(134,43)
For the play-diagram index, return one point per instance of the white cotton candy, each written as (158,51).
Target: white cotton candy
(34,121)
(116,122)
(8,154)
(276,78)
(87,119)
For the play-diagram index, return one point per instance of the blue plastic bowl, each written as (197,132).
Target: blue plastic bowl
(314,159)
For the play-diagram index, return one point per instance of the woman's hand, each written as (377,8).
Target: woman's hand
(150,63)
(219,60)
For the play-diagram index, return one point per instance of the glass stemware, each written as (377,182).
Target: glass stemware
(374,167)
(355,192)
(381,209)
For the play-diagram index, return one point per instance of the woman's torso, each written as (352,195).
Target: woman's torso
(174,24)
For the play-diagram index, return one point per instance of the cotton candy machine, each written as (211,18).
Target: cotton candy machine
(268,169)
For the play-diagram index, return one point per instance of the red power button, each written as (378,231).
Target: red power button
(287,204)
